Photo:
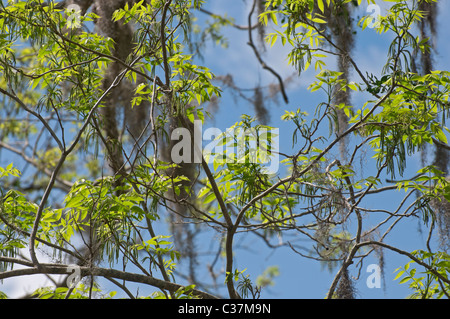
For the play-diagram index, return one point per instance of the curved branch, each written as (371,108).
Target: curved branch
(239,27)
(409,255)
(103,272)
(441,144)
(258,56)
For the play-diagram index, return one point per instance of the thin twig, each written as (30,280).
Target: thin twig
(258,56)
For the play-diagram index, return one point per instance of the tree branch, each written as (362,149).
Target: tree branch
(258,56)
(102,272)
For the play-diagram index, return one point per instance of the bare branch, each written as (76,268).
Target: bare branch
(59,269)
(258,56)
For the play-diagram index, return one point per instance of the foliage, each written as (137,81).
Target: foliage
(429,285)
(90,186)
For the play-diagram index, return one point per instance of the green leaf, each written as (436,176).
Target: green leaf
(190,115)
(320,5)
(405,280)
(318,20)
(140,88)
(273,16)
(353,86)
(208,199)
(440,135)
(273,40)
(34,83)
(75,201)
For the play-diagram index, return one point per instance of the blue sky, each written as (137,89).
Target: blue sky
(299,277)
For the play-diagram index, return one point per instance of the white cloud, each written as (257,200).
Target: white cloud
(18,287)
